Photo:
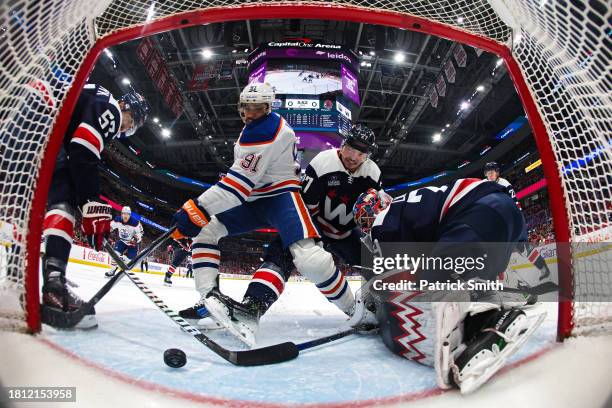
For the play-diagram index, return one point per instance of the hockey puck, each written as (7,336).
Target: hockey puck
(175,358)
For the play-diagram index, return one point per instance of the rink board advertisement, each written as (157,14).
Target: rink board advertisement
(302,50)
(87,256)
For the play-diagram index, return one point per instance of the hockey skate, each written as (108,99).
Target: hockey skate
(58,300)
(198,315)
(111,272)
(241,319)
(167,280)
(363,317)
(487,351)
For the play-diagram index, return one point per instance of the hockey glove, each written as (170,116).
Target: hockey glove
(190,220)
(96,223)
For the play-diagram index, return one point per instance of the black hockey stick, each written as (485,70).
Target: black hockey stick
(273,354)
(328,339)
(67,320)
(266,355)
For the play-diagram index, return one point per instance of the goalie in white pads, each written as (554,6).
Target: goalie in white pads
(465,341)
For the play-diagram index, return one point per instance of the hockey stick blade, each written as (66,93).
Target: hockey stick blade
(279,353)
(274,354)
(68,320)
(266,355)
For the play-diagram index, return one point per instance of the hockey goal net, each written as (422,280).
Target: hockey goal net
(557,53)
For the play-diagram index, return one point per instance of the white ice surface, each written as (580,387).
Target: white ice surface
(133,334)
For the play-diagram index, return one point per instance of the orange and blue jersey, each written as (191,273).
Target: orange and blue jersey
(265,165)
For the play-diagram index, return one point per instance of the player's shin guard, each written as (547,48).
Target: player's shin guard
(267,284)
(205,266)
(58,231)
(206,256)
(337,291)
(318,265)
(57,298)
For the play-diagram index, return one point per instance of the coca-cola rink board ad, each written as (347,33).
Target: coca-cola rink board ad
(79,253)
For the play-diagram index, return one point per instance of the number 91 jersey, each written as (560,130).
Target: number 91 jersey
(265,165)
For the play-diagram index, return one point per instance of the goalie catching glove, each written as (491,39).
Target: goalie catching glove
(190,220)
(96,223)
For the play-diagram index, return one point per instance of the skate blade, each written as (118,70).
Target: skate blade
(205,324)
(219,312)
(518,338)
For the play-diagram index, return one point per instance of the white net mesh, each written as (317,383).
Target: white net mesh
(563,53)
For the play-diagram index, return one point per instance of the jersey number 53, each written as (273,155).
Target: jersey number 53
(107,122)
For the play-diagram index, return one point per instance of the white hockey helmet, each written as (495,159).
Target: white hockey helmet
(126,210)
(256,93)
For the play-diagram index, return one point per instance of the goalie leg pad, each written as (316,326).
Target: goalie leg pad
(316,264)
(427,327)
(206,256)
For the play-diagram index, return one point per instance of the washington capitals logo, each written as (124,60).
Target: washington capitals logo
(406,314)
(333,181)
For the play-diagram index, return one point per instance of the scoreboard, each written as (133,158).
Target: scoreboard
(316,120)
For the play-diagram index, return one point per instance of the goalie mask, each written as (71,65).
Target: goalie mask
(256,96)
(368,206)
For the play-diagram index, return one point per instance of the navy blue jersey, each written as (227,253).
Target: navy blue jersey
(96,120)
(418,216)
(509,190)
(330,191)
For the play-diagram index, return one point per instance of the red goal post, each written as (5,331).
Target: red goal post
(543,44)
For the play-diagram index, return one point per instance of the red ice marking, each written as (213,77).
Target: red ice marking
(205,399)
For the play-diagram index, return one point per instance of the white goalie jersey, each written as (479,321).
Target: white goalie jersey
(265,164)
